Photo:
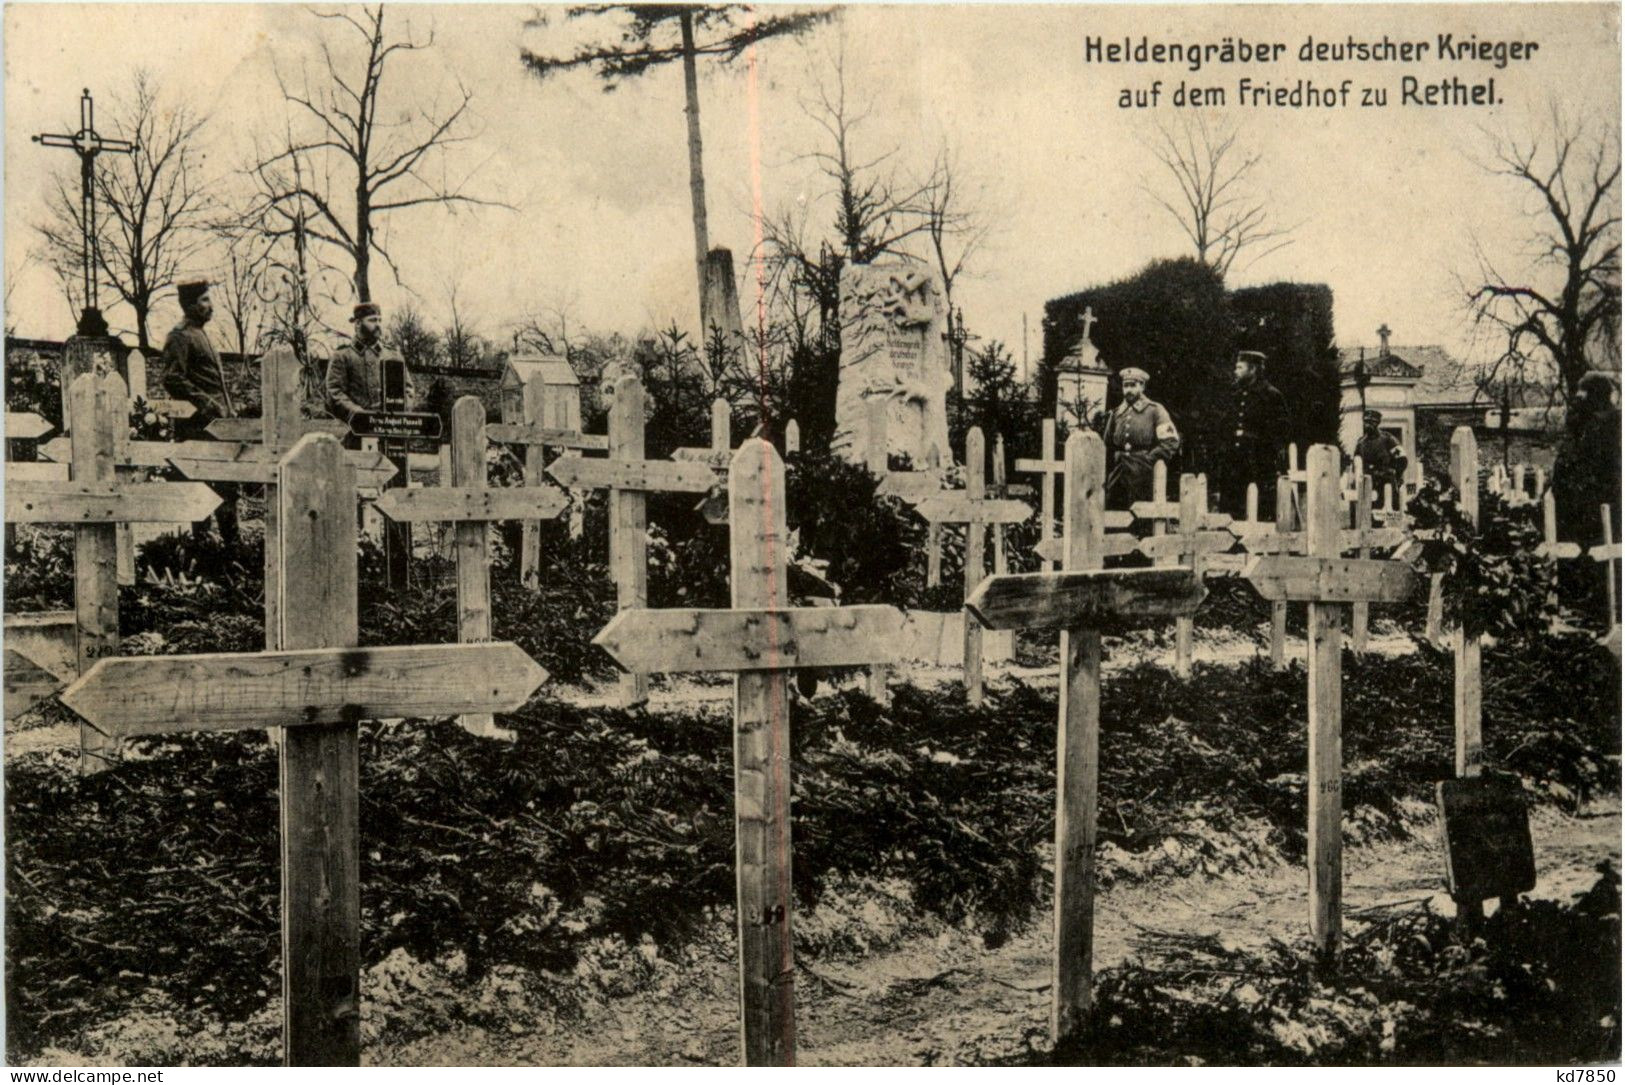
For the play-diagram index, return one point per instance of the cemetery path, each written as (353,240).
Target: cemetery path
(946,999)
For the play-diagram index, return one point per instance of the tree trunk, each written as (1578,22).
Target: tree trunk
(363,244)
(696,166)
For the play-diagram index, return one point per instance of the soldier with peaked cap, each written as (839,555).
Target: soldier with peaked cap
(1258,434)
(1137,434)
(193,372)
(1383,459)
(355,382)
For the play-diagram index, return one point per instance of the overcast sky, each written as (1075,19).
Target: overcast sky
(1384,201)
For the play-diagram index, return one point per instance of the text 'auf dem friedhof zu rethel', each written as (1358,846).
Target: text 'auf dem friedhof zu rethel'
(1448,70)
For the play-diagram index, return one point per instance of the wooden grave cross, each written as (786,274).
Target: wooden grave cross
(908,486)
(761,639)
(717,456)
(258,459)
(976,511)
(469,504)
(1607,552)
(1046,467)
(1199,534)
(542,408)
(316,687)
(630,478)
(1327,582)
(1551,549)
(1077,601)
(95,502)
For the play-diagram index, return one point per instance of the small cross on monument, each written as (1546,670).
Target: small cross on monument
(1078,601)
(761,638)
(88,143)
(1328,583)
(316,687)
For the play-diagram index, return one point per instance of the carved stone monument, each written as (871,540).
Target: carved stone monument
(892,348)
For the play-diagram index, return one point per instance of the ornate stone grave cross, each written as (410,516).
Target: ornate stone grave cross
(629,478)
(317,688)
(87,143)
(94,503)
(976,511)
(531,431)
(761,639)
(469,504)
(1328,583)
(1078,601)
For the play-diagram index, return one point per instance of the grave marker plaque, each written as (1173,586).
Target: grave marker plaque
(1487,848)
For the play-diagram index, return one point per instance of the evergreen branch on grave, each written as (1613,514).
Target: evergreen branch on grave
(1495,577)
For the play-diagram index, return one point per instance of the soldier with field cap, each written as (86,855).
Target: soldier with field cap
(193,372)
(1257,436)
(1383,458)
(1137,434)
(355,380)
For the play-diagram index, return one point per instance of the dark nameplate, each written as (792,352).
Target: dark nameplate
(420,424)
(1487,848)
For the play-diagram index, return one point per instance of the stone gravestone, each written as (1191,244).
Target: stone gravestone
(892,348)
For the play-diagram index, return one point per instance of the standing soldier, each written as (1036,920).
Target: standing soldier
(1137,434)
(355,383)
(1383,459)
(1258,436)
(192,372)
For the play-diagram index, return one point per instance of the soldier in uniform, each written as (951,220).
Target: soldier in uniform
(1257,436)
(355,384)
(1137,434)
(1384,460)
(192,372)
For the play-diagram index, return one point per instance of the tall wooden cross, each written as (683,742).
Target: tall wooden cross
(1046,466)
(630,478)
(87,143)
(94,503)
(1200,533)
(545,422)
(317,687)
(761,639)
(1607,552)
(976,511)
(1077,601)
(469,504)
(1328,583)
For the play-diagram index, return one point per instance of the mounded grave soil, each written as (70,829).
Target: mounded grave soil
(567,899)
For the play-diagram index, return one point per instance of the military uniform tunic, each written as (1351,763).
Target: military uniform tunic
(192,371)
(1384,462)
(1136,437)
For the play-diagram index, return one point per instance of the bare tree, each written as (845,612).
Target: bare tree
(877,207)
(1567,300)
(656,34)
(154,200)
(463,345)
(1216,205)
(879,211)
(955,219)
(236,292)
(356,168)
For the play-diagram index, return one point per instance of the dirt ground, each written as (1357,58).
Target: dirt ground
(939,995)
(947,1000)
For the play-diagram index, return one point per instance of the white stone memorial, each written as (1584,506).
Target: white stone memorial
(892,348)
